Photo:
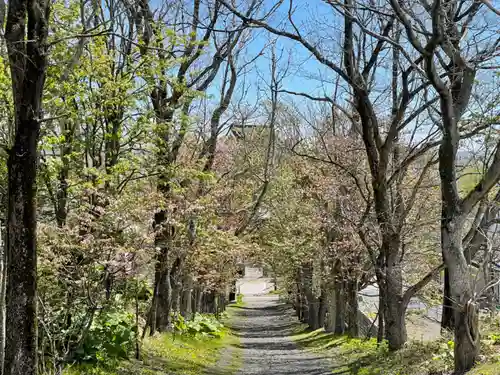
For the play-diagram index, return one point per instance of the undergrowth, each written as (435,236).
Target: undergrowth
(239,300)
(200,325)
(191,349)
(165,354)
(367,357)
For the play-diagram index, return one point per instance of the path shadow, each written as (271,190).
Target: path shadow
(266,328)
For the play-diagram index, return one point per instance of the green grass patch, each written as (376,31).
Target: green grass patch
(178,354)
(239,300)
(170,354)
(486,369)
(366,357)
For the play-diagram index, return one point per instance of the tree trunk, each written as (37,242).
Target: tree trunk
(310,300)
(175,275)
(353,308)
(313,313)
(331,316)
(187,298)
(302,298)
(298,306)
(21,341)
(381,315)
(176,297)
(461,291)
(466,336)
(198,305)
(209,302)
(322,310)
(390,280)
(448,316)
(162,300)
(395,325)
(340,313)
(27,49)
(232,292)
(395,309)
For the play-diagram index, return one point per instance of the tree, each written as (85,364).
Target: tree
(26,34)
(452,72)
(170,97)
(380,133)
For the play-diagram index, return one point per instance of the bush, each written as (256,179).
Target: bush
(111,336)
(200,325)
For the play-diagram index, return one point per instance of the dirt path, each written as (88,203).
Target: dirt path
(265,328)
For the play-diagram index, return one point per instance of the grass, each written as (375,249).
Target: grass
(235,352)
(177,354)
(486,369)
(239,301)
(366,357)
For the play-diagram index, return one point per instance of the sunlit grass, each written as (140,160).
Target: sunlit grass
(366,357)
(172,354)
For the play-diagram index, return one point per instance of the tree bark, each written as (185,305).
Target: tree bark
(381,305)
(340,313)
(461,291)
(322,310)
(187,298)
(310,300)
(313,313)
(448,316)
(21,343)
(395,308)
(331,303)
(162,299)
(27,50)
(353,308)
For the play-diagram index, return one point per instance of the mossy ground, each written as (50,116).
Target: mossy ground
(366,357)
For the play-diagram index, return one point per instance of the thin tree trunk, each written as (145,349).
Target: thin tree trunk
(353,308)
(162,300)
(310,304)
(448,316)
(340,313)
(381,315)
(331,312)
(187,298)
(322,310)
(199,300)
(137,313)
(176,297)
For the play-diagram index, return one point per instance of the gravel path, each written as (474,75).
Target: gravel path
(265,326)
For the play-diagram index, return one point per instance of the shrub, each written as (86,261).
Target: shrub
(111,336)
(201,324)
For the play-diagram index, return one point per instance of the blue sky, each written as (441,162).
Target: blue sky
(316,21)
(304,71)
